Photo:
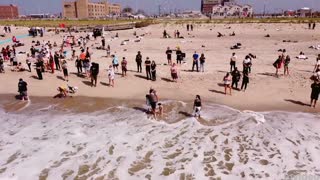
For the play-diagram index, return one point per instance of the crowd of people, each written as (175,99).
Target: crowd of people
(48,60)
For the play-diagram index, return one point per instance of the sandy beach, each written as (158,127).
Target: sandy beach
(265,91)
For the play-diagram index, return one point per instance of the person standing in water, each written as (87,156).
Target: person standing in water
(22,89)
(315,91)
(153,101)
(197,105)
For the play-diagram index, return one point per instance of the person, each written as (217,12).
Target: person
(88,55)
(165,35)
(233,60)
(124,63)
(235,78)
(179,55)
(51,63)
(33,51)
(315,91)
(94,71)
(178,34)
(197,106)
(245,81)
(103,42)
(227,83)
(309,25)
(286,65)
(169,55)
(39,66)
(78,64)
(174,72)
(73,52)
(115,62)
(28,62)
(65,70)
(195,57)
(111,76)
(202,61)
(277,64)
(139,62)
(153,71)
(22,89)
(2,65)
(108,50)
(317,66)
(314,26)
(160,109)
(63,92)
(247,64)
(188,26)
(153,101)
(148,68)
(191,27)
(57,61)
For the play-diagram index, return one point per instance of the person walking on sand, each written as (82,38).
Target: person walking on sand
(174,72)
(169,55)
(245,81)
(235,78)
(28,62)
(94,71)
(148,68)
(65,70)
(315,91)
(286,65)
(139,62)
(153,71)
(23,90)
(115,62)
(111,76)
(202,61)
(195,61)
(227,83)
(197,105)
(124,67)
(233,61)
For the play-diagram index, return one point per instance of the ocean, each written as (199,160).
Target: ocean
(59,141)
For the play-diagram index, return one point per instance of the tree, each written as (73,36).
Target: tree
(127,10)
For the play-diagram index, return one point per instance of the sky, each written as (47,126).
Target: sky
(152,6)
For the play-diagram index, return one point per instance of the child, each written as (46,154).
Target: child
(160,109)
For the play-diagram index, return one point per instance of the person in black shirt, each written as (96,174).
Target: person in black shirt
(57,61)
(235,78)
(179,56)
(94,71)
(245,80)
(148,68)
(197,106)
(39,66)
(169,55)
(103,42)
(22,89)
(33,51)
(79,65)
(315,94)
(153,71)
(139,62)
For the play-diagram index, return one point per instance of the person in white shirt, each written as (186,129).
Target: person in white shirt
(233,61)
(111,75)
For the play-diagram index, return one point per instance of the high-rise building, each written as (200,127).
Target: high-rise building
(9,12)
(84,9)
(207,5)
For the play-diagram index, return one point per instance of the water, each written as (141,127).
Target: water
(123,143)
(9,40)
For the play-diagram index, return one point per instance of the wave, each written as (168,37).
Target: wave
(122,142)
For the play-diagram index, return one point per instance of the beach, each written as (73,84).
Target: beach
(267,132)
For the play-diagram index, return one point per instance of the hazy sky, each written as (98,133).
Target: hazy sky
(151,6)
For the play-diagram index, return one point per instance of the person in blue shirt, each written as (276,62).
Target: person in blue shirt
(115,62)
(195,61)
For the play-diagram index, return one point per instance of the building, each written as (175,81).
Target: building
(9,12)
(232,9)
(84,9)
(304,12)
(207,5)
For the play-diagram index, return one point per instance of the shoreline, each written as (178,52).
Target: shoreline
(85,104)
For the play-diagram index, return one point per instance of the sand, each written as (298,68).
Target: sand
(265,92)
